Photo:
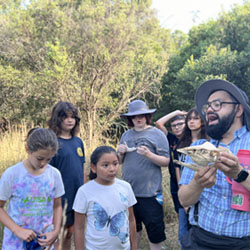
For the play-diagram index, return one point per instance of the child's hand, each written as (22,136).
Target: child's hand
(25,234)
(47,239)
(143,150)
(183,112)
(122,149)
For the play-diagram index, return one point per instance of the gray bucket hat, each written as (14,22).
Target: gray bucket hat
(138,107)
(210,86)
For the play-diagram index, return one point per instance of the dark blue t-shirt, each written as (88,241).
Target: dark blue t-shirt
(69,160)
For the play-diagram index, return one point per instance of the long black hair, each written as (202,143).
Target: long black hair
(186,137)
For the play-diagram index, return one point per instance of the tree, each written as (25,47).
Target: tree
(218,48)
(97,54)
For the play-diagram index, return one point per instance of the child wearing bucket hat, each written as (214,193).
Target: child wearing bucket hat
(143,150)
(216,222)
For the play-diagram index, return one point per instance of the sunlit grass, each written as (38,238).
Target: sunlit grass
(12,150)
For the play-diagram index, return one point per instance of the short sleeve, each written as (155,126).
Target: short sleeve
(122,140)
(131,197)
(162,146)
(59,184)
(5,185)
(80,202)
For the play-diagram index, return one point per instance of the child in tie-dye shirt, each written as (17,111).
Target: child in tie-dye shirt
(34,191)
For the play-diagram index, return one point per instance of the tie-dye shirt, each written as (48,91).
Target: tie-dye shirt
(30,200)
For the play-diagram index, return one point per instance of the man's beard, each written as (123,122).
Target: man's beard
(217,131)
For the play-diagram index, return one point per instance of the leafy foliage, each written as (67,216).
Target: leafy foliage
(216,49)
(98,55)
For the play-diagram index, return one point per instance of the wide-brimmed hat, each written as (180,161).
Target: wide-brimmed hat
(210,86)
(138,107)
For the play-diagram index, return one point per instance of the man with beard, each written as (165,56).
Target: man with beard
(215,225)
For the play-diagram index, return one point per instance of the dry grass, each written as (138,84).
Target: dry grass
(12,151)
(12,147)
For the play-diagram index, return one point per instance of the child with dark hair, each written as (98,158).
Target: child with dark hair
(69,159)
(33,189)
(105,206)
(176,120)
(194,130)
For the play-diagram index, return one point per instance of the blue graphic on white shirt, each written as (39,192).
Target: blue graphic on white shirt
(123,236)
(114,223)
(124,199)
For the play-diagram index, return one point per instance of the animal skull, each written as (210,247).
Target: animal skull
(203,155)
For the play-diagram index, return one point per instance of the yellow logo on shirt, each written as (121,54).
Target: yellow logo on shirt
(79,152)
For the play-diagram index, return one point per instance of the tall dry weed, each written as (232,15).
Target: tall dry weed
(12,150)
(12,146)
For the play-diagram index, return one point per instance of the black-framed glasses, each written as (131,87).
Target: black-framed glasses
(177,125)
(215,105)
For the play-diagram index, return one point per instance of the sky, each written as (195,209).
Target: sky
(183,14)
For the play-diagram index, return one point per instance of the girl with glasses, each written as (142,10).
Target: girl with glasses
(193,131)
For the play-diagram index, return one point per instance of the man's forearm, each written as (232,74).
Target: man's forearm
(189,194)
